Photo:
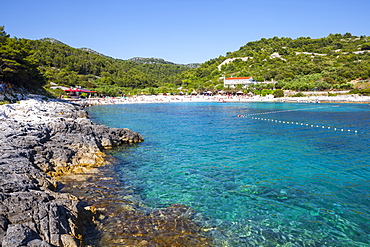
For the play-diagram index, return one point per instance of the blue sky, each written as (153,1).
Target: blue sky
(180,31)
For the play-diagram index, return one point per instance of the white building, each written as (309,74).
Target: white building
(233,81)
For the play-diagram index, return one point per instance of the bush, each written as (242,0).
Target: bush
(4,102)
(265,92)
(346,86)
(354,91)
(300,94)
(278,93)
(365,92)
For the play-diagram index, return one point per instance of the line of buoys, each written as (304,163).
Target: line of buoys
(304,124)
(273,112)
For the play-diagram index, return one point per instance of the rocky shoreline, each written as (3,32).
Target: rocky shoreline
(41,141)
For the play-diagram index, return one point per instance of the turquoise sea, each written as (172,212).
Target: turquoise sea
(258,174)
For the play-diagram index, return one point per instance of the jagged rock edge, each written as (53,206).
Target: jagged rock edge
(40,141)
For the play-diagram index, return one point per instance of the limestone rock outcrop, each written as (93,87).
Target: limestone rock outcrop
(39,141)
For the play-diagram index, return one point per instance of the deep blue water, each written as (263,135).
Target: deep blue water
(304,180)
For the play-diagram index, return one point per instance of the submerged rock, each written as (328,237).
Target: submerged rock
(39,141)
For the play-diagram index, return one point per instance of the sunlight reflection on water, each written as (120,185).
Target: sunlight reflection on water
(249,177)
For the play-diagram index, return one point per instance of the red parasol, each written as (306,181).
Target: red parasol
(70,90)
(78,90)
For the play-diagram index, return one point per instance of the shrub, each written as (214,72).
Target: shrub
(354,91)
(365,92)
(300,94)
(265,92)
(278,93)
(346,86)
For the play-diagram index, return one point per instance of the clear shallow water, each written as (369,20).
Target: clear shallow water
(253,178)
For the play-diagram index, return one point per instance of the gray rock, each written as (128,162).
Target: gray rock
(18,235)
(38,140)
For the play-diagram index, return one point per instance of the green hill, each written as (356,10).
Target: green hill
(333,62)
(298,64)
(68,66)
(31,63)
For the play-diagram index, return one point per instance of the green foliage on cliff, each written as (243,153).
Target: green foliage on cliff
(65,65)
(18,65)
(300,64)
(32,63)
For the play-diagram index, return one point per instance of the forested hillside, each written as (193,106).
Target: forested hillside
(31,63)
(18,67)
(62,64)
(334,62)
(298,64)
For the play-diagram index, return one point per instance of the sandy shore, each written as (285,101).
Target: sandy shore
(221,99)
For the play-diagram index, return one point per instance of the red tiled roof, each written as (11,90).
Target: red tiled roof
(239,78)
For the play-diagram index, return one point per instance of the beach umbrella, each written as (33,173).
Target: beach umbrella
(70,90)
(78,90)
(86,91)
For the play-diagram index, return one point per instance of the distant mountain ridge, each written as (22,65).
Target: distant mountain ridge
(92,51)
(142,60)
(153,60)
(32,64)
(53,41)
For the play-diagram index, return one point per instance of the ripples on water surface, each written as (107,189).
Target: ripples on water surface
(252,178)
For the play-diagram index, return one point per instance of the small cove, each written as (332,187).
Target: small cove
(249,179)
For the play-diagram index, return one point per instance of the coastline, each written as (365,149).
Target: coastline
(42,141)
(45,141)
(219,99)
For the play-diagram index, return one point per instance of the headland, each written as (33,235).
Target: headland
(40,142)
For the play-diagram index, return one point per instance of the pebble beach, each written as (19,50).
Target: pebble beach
(43,140)
(220,99)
